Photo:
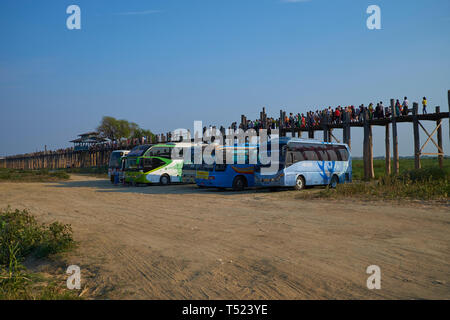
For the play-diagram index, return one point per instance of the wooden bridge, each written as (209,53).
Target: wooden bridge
(99,155)
(327,128)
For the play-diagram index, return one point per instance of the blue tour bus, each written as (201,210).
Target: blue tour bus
(237,175)
(305,162)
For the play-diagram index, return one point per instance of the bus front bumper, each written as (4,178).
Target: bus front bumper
(269,181)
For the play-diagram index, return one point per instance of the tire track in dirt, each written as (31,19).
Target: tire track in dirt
(179,242)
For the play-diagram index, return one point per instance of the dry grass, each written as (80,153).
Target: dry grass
(422,184)
(42,175)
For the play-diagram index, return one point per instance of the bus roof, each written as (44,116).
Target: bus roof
(313,141)
(286,140)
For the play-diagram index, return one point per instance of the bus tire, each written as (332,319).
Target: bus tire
(239,183)
(334,182)
(300,183)
(164,180)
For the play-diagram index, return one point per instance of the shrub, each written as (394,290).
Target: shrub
(20,236)
(424,174)
(20,229)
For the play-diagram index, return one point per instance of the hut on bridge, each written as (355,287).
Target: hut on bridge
(86,140)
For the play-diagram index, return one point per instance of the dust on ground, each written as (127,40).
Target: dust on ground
(181,242)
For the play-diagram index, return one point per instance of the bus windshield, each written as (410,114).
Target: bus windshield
(114,160)
(139,150)
(131,164)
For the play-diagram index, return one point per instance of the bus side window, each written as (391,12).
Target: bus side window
(289,158)
(156,163)
(343,153)
(332,155)
(322,153)
(311,155)
(298,156)
(167,152)
(147,164)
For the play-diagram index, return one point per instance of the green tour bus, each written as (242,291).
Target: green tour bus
(129,161)
(155,164)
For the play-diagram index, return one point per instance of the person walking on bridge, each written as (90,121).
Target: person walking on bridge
(405,106)
(424,105)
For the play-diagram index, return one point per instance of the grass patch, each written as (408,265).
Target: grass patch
(421,184)
(101,172)
(42,175)
(21,236)
(404,164)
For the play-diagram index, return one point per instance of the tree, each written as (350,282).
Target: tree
(138,133)
(115,129)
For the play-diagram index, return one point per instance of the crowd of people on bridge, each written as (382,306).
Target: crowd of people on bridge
(337,115)
(311,119)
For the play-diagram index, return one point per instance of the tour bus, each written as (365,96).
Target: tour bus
(190,168)
(237,175)
(130,161)
(115,164)
(189,172)
(157,164)
(305,162)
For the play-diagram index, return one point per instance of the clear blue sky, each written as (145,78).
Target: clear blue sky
(165,63)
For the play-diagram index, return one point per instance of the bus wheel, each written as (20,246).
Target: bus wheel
(300,183)
(334,182)
(164,180)
(238,183)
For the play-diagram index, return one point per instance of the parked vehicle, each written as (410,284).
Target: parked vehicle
(305,162)
(190,168)
(237,175)
(158,164)
(115,165)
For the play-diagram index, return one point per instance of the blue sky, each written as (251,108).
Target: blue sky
(165,63)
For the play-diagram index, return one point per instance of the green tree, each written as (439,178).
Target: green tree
(138,133)
(115,129)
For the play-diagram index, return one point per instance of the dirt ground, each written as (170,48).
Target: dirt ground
(180,242)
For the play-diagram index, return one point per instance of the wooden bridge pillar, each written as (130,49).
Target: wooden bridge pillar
(388,151)
(346,130)
(263,118)
(368,148)
(416,136)
(395,138)
(448,97)
(439,138)
(324,122)
(280,121)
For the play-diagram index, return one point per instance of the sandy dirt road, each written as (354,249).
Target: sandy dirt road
(180,242)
